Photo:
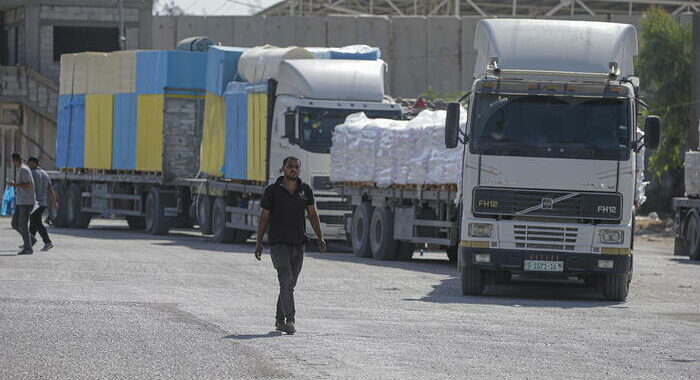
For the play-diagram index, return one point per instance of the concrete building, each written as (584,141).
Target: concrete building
(33,35)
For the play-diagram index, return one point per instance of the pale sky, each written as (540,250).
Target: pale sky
(219,7)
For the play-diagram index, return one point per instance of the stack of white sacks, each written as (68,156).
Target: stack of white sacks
(395,152)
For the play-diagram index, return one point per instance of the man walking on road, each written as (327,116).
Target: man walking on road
(25,199)
(44,190)
(283,206)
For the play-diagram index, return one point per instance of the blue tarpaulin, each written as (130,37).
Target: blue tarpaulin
(236,147)
(222,67)
(70,133)
(156,70)
(124,132)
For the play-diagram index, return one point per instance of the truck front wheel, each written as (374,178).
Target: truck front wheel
(360,230)
(472,280)
(617,287)
(382,234)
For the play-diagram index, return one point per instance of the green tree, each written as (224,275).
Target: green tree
(664,67)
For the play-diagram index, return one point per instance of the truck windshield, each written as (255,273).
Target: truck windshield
(316,125)
(549,126)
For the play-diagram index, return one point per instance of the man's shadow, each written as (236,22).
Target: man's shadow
(271,334)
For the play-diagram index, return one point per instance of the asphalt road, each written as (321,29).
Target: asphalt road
(107,302)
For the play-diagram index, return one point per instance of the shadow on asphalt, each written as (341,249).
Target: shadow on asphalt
(521,293)
(564,294)
(271,334)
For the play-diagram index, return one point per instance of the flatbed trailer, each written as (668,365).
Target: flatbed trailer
(388,223)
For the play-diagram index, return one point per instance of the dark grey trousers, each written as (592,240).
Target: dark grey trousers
(36,225)
(287,259)
(20,222)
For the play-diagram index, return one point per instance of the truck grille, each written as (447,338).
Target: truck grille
(333,219)
(545,237)
(333,205)
(562,204)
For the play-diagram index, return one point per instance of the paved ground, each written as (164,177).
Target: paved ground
(111,303)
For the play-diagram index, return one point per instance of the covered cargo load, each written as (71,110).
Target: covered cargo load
(355,52)
(111,106)
(261,63)
(395,152)
(222,67)
(234,145)
(692,174)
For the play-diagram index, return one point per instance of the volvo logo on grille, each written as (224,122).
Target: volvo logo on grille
(547,203)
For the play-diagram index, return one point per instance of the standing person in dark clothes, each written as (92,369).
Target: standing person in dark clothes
(283,206)
(44,190)
(25,199)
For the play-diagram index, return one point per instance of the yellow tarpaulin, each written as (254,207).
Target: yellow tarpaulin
(257,136)
(213,136)
(149,133)
(98,131)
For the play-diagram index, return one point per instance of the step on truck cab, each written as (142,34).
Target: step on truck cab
(550,161)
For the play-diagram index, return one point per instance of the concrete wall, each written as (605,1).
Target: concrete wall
(34,22)
(420,51)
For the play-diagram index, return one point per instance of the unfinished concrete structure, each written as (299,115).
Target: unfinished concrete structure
(33,35)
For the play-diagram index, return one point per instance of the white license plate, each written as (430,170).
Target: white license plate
(544,266)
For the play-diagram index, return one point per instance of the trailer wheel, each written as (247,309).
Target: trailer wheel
(617,287)
(75,218)
(472,280)
(204,211)
(59,217)
(692,236)
(222,234)
(360,230)
(404,251)
(382,234)
(156,221)
(136,223)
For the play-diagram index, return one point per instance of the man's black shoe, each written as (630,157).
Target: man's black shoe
(25,252)
(279,326)
(289,328)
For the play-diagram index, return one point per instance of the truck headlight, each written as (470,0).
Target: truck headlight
(480,229)
(612,236)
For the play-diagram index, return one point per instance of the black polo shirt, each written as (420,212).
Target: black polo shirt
(287,223)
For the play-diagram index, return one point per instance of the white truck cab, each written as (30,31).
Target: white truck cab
(550,159)
(313,96)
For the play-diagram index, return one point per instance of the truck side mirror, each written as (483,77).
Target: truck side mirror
(290,126)
(452,125)
(652,131)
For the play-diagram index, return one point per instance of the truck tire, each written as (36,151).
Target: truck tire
(692,236)
(472,280)
(76,218)
(360,230)
(404,251)
(156,221)
(452,253)
(204,210)
(381,236)
(616,287)
(222,234)
(136,223)
(59,217)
